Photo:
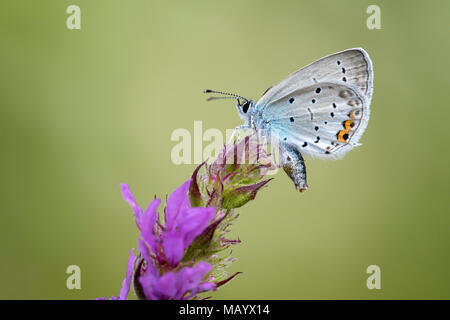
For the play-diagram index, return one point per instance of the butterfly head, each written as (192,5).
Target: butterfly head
(244,108)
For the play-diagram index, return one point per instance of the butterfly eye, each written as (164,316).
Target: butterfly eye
(246,106)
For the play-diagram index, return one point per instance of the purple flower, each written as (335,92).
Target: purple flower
(178,248)
(127,281)
(181,285)
(182,224)
(163,246)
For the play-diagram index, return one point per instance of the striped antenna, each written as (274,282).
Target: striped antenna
(230,95)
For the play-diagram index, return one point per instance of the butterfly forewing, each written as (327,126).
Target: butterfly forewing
(352,67)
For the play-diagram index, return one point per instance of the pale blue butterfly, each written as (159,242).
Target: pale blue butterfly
(321,110)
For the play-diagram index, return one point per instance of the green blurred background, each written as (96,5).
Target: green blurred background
(83,110)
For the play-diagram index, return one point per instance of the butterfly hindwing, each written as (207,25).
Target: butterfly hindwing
(323,120)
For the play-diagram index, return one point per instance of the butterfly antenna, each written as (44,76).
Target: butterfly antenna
(228,95)
(217,98)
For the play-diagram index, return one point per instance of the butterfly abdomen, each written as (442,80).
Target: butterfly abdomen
(293,164)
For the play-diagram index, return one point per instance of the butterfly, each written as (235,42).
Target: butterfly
(320,110)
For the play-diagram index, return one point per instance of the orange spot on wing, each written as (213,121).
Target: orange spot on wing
(341,135)
(348,125)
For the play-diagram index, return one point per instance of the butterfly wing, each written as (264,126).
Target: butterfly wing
(323,120)
(352,67)
(324,107)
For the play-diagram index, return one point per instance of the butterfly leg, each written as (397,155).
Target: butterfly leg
(294,165)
